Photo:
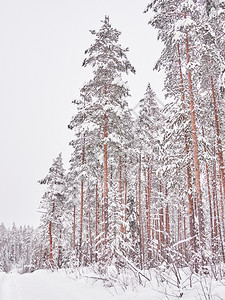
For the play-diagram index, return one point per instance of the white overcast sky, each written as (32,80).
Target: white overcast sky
(42,44)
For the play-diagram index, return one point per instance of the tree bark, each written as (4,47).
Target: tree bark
(125,203)
(50,238)
(82,200)
(96,219)
(195,150)
(120,195)
(219,143)
(74,227)
(167,222)
(105,179)
(140,215)
(89,224)
(161,221)
(149,191)
(209,195)
(81,219)
(190,195)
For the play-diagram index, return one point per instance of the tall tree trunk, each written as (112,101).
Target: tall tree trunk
(190,195)
(221,220)
(140,215)
(81,219)
(125,202)
(74,227)
(209,195)
(103,218)
(96,219)
(120,195)
(219,152)
(161,221)
(89,225)
(82,203)
(50,243)
(50,238)
(215,227)
(195,151)
(167,225)
(105,179)
(149,191)
(219,143)
(82,197)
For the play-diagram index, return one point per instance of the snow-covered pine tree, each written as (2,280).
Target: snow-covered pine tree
(148,137)
(4,249)
(105,122)
(17,248)
(185,29)
(71,207)
(52,207)
(85,165)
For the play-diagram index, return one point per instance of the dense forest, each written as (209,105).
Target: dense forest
(144,191)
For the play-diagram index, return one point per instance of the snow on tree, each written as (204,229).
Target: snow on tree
(104,121)
(148,137)
(186,29)
(52,206)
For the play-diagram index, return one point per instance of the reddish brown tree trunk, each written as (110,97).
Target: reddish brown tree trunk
(74,227)
(190,196)
(89,224)
(140,215)
(50,238)
(96,219)
(209,195)
(219,143)
(167,222)
(161,221)
(221,221)
(81,219)
(105,178)
(120,195)
(215,228)
(149,190)
(195,150)
(125,202)
(103,218)
(136,211)
(146,202)
(82,199)
(219,153)
(50,243)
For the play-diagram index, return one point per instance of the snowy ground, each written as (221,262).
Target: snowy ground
(47,285)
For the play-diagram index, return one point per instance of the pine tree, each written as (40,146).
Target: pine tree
(52,205)
(105,120)
(147,138)
(186,28)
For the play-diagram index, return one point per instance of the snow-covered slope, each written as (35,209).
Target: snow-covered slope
(47,285)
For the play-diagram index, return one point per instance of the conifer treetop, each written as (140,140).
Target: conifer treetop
(106,53)
(56,172)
